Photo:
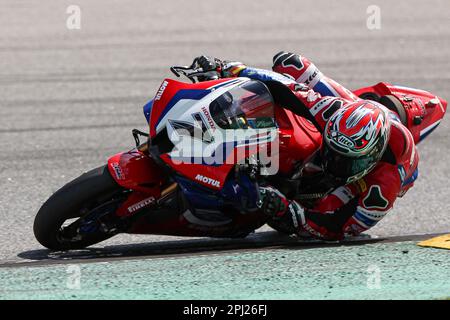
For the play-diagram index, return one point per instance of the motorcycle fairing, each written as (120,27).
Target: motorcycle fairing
(147,110)
(240,193)
(424,111)
(192,112)
(209,176)
(298,137)
(172,92)
(135,170)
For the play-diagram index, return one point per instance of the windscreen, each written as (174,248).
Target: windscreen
(249,105)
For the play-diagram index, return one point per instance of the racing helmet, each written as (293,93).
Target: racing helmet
(354,140)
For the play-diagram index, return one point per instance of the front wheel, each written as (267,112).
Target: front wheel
(71,217)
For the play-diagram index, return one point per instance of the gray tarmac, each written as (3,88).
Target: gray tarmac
(69,98)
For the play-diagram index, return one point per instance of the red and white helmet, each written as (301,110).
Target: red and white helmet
(355,139)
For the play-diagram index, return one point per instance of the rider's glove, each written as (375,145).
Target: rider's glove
(272,202)
(215,68)
(208,63)
(232,69)
(289,213)
(211,68)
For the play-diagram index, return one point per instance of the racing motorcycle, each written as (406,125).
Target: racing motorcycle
(149,190)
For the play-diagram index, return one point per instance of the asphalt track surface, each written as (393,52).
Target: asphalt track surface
(69,98)
(382,270)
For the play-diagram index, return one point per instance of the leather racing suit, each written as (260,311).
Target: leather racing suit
(355,207)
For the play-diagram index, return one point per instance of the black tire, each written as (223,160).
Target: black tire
(370,96)
(392,103)
(67,202)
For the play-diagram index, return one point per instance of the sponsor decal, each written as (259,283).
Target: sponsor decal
(343,193)
(161,90)
(312,231)
(297,213)
(208,118)
(207,180)
(118,171)
(206,135)
(311,77)
(141,204)
(197,130)
(342,140)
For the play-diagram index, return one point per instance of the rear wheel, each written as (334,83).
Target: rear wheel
(392,103)
(370,96)
(77,215)
(389,101)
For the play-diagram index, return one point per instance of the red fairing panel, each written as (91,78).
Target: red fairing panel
(298,138)
(134,170)
(207,175)
(424,111)
(168,89)
(214,176)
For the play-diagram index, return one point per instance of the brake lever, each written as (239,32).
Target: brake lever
(195,73)
(194,63)
(181,70)
(175,71)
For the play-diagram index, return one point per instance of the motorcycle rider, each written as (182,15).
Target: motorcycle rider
(368,153)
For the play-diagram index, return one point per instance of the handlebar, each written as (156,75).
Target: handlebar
(191,72)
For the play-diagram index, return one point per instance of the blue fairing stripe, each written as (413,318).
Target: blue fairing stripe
(192,94)
(183,94)
(147,110)
(423,134)
(223,84)
(265,75)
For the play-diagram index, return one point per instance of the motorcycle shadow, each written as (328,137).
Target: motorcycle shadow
(255,241)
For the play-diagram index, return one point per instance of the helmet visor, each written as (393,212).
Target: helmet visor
(347,168)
